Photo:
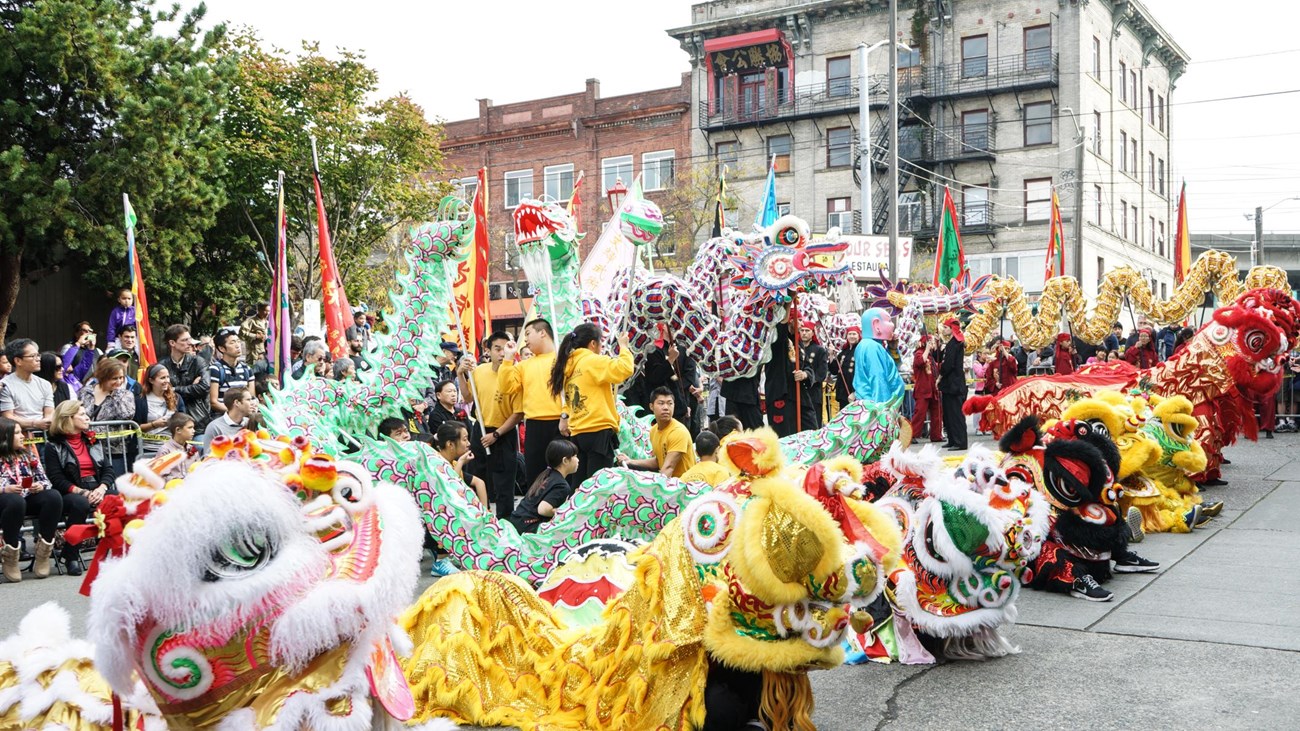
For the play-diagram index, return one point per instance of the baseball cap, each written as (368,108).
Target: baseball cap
(119,353)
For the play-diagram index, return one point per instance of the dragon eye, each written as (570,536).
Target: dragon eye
(242,555)
(1099,428)
(1255,340)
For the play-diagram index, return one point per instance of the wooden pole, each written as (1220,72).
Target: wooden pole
(793,319)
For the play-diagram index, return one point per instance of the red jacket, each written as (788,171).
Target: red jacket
(1064,361)
(922,375)
(1000,374)
(1142,357)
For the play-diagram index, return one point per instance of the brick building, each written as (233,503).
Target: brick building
(537,149)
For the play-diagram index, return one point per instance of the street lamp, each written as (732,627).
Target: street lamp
(616,194)
(1257,246)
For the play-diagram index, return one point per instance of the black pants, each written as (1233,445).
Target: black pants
(538,433)
(76,508)
(595,452)
(751,417)
(954,421)
(781,414)
(46,506)
(502,464)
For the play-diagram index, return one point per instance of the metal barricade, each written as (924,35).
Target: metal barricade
(34,438)
(121,441)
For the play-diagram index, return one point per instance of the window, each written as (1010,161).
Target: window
(728,154)
(613,169)
(1038,124)
(1134,100)
(783,209)
(1133,168)
(975,130)
(839,147)
(1151,105)
(1038,47)
(1123,219)
(1160,113)
(1096,58)
(1137,225)
(1123,82)
(1160,237)
(839,76)
(1096,132)
(911,58)
(519,185)
(466,188)
(1151,170)
(1151,232)
(910,212)
(657,167)
(1038,199)
(1101,267)
(839,212)
(975,56)
(778,151)
(1160,176)
(1123,151)
(975,206)
(1164,292)
(1096,202)
(558,180)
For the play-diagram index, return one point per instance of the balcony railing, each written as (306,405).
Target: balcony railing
(976,76)
(836,96)
(964,142)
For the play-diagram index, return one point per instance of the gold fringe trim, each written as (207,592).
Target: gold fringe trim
(787,703)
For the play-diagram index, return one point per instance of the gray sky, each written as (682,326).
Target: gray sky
(1234,155)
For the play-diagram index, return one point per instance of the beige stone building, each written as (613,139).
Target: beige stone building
(1002,101)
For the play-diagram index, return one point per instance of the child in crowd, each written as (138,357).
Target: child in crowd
(121,316)
(181,427)
(707,469)
(549,490)
(724,425)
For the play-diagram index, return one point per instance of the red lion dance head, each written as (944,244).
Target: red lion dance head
(1255,333)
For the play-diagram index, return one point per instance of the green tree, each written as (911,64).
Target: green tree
(375,161)
(96,100)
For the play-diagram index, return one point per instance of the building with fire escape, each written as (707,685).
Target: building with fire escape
(1001,101)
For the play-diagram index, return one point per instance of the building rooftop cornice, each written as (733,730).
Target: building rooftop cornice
(725,26)
(1156,40)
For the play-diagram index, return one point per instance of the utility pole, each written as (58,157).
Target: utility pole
(1078,204)
(867,226)
(893,140)
(1257,251)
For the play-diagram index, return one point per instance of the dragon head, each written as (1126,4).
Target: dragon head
(785,260)
(550,223)
(1171,425)
(1253,335)
(260,590)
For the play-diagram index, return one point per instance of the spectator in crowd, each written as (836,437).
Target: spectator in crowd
(1001,372)
(357,355)
(1021,355)
(1064,358)
(52,371)
(1142,324)
(451,442)
(79,468)
(79,359)
(1166,339)
(1083,350)
(189,377)
(925,364)
(238,405)
(667,367)
(979,369)
(359,330)
(125,358)
(1184,336)
(345,369)
(253,332)
(25,491)
(445,361)
(206,350)
(811,376)
(154,407)
(500,419)
(181,428)
(1115,338)
(129,343)
(528,380)
(844,367)
(395,429)
(416,417)
(707,469)
(1142,353)
(551,488)
(952,383)
(444,405)
(295,348)
(121,316)
(724,426)
(670,441)
(228,371)
(588,378)
(314,359)
(106,398)
(26,398)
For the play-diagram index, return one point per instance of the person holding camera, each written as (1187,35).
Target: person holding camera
(79,357)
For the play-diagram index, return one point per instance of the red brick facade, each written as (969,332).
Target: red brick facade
(573,129)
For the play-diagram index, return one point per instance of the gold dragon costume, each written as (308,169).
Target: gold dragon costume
(763,575)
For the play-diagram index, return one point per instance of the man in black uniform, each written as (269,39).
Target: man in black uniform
(811,376)
(952,383)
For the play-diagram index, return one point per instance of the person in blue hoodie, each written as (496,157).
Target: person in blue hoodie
(876,377)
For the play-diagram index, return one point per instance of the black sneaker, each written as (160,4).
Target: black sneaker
(1085,587)
(1131,563)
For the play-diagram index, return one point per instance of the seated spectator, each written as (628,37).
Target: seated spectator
(707,470)
(345,369)
(240,405)
(451,442)
(724,426)
(25,397)
(315,359)
(181,428)
(79,469)
(107,398)
(669,440)
(25,491)
(395,429)
(416,423)
(154,408)
(551,488)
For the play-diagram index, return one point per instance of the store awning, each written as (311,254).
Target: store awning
(508,309)
(740,40)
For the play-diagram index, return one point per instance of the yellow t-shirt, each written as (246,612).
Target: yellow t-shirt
(531,381)
(497,405)
(587,386)
(673,438)
(710,473)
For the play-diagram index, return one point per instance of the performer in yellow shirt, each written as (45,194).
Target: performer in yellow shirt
(707,470)
(586,377)
(669,440)
(528,380)
(501,414)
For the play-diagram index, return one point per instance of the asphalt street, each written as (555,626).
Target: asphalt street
(1210,642)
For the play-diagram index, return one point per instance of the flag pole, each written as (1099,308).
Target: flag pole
(464,348)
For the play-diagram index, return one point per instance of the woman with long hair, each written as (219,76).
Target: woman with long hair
(25,491)
(52,371)
(587,379)
(107,398)
(154,407)
(551,488)
(78,468)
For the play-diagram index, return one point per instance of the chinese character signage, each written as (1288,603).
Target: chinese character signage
(747,58)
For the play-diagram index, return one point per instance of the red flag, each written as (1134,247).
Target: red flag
(470,290)
(144,335)
(1182,241)
(575,202)
(338,313)
(1055,245)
